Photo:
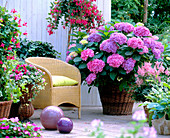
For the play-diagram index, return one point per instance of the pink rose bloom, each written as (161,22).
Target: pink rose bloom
(90,78)
(87,53)
(115,60)
(118,38)
(96,65)
(145,50)
(141,31)
(135,43)
(109,46)
(129,64)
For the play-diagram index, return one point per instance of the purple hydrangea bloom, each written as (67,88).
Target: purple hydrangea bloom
(157,53)
(109,46)
(126,27)
(142,31)
(119,38)
(147,42)
(94,38)
(129,64)
(158,45)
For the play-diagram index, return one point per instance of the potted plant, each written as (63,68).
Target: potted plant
(108,58)
(9,42)
(14,128)
(30,81)
(78,14)
(160,107)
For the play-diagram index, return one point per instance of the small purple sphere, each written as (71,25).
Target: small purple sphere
(65,125)
(50,116)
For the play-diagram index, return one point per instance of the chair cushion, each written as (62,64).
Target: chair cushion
(63,81)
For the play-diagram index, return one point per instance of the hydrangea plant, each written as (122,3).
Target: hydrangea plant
(112,53)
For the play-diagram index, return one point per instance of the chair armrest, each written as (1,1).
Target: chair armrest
(47,76)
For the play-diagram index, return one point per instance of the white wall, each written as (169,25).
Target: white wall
(35,12)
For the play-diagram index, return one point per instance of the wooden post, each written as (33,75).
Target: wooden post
(145,11)
(69,36)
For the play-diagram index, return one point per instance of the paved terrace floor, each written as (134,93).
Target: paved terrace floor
(81,127)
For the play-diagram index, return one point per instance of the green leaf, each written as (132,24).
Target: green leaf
(140,50)
(82,66)
(98,55)
(103,73)
(128,53)
(77,59)
(113,75)
(136,57)
(73,49)
(90,44)
(122,71)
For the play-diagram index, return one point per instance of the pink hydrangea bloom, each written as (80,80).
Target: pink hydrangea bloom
(96,65)
(109,46)
(155,37)
(147,42)
(142,31)
(157,53)
(157,45)
(94,38)
(73,45)
(129,64)
(135,43)
(126,27)
(68,58)
(115,60)
(90,78)
(119,38)
(145,50)
(139,115)
(93,31)
(87,53)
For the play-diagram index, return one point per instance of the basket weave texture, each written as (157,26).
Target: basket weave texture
(5,107)
(114,101)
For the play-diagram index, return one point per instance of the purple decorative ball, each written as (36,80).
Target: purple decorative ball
(65,125)
(50,116)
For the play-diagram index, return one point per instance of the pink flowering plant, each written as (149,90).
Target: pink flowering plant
(78,14)
(23,75)
(10,24)
(112,53)
(148,75)
(13,128)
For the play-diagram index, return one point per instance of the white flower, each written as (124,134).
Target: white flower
(139,115)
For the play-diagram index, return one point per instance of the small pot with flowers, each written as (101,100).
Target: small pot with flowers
(10,24)
(30,81)
(14,128)
(108,58)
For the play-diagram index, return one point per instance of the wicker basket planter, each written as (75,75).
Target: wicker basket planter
(5,107)
(114,101)
(26,108)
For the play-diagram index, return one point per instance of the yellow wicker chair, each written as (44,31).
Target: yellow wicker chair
(57,95)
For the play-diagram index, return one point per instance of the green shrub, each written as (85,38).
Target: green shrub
(36,49)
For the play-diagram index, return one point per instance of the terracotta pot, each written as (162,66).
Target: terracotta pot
(114,101)
(162,126)
(5,107)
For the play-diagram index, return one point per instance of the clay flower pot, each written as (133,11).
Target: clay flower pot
(162,126)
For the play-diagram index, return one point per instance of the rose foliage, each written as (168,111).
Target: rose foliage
(78,14)
(112,53)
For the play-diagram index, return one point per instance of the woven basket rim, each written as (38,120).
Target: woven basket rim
(1,102)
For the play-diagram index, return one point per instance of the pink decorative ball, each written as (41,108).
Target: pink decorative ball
(50,116)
